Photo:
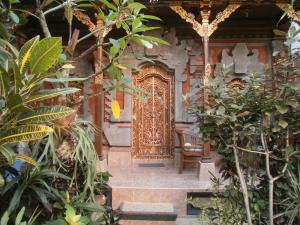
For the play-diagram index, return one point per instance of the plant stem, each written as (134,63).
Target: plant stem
(271,201)
(243,185)
(43,23)
(57,7)
(271,180)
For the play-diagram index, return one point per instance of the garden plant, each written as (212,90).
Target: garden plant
(48,161)
(255,127)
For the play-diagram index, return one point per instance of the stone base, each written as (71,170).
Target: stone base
(207,171)
(148,211)
(138,222)
(180,221)
(147,195)
(119,158)
(101,165)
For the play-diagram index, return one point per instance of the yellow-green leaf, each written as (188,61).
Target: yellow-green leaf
(44,95)
(25,53)
(282,109)
(115,108)
(24,133)
(283,123)
(51,93)
(2,181)
(7,156)
(27,159)
(45,114)
(69,13)
(45,54)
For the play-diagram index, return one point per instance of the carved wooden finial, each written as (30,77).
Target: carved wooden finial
(84,19)
(205,29)
(291,13)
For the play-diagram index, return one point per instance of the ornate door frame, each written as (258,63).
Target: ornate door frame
(153,120)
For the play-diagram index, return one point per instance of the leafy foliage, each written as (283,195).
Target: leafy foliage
(63,154)
(19,120)
(4,220)
(71,218)
(258,123)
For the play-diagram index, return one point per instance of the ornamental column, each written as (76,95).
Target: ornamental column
(205,29)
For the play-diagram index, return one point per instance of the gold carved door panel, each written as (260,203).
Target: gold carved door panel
(153,115)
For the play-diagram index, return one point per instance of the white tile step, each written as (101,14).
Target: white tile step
(148,211)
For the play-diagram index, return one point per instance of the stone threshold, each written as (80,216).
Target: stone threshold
(148,211)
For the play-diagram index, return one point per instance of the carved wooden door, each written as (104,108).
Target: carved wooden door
(153,115)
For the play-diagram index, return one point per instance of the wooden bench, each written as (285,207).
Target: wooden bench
(191,146)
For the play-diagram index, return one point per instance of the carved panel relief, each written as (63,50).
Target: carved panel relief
(236,65)
(153,116)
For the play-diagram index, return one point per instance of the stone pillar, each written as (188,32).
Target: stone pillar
(206,171)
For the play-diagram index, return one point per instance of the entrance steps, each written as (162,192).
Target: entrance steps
(176,197)
(187,220)
(148,211)
(152,184)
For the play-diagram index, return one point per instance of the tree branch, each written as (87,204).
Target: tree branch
(57,7)
(90,49)
(242,179)
(43,23)
(251,151)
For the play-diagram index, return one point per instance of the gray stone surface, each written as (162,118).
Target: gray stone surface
(143,207)
(86,105)
(207,171)
(278,48)
(240,56)
(117,136)
(189,220)
(239,64)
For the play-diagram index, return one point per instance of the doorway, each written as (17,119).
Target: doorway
(153,114)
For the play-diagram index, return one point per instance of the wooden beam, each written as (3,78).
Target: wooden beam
(190,18)
(195,3)
(222,16)
(99,103)
(99,98)
(205,12)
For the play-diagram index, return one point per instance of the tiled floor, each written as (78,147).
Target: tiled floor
(161,177)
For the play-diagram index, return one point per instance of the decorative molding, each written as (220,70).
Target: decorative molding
(205,29)
(85,20)
(291,13)
(190,18)
(207,74)
(222,16)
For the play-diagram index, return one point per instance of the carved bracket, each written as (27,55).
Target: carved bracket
(190,18)
(86,20)
(291,13)
(205,29)
(222,16)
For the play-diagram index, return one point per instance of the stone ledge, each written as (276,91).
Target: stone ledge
(148,211)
